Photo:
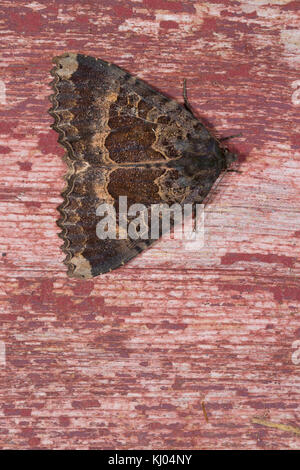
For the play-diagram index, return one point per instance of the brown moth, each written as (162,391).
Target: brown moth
(122,137)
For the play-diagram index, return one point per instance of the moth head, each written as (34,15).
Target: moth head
(230,157)
(222,154)
(202,155)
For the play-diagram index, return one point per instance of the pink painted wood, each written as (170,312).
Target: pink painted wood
(132,359)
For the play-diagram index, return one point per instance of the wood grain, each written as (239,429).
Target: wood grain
(126,361)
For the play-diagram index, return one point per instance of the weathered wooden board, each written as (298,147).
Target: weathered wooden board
(128,359)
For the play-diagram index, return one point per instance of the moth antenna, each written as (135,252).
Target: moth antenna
(185,98)
(222,139)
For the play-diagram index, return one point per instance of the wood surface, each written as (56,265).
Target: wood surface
(179,349)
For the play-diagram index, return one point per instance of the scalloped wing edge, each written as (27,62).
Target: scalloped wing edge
(67,158)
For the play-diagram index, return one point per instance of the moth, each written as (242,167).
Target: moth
(123,138)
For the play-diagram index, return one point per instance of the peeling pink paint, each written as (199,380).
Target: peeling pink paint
(287,293)
(24,166)
(231,258)
(170,6)
(24,21)
(122,11)
(48,143)
(4,149)
(169,24)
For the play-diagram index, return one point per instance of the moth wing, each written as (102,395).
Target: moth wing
(122,138)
